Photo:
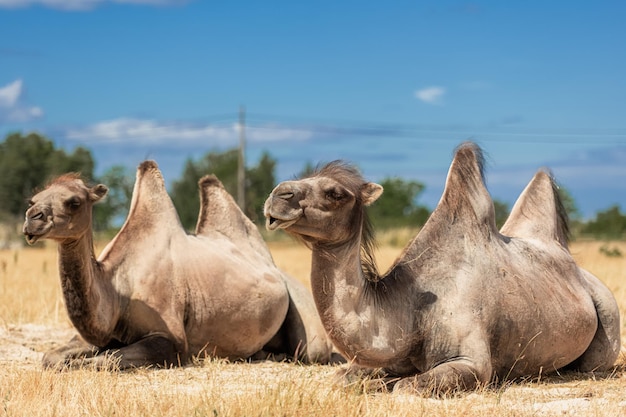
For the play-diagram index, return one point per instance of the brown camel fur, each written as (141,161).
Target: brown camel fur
(159,296)
(464,305)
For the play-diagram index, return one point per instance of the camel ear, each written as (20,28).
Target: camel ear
(97,192)
(370,192)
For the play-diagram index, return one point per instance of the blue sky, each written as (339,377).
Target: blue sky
(392,87)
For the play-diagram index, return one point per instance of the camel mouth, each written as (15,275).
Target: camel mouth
(34,234)
(32,239)
(274,223)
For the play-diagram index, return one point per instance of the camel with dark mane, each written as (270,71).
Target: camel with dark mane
(464,304)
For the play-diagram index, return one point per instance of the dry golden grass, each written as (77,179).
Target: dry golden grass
(33,319)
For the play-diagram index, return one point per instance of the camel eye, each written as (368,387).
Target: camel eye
(334,195)
(73,203)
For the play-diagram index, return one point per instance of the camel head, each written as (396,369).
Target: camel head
(62,211)
(327,207)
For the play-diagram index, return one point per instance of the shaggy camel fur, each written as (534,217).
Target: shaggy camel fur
(157,295)
(464,304)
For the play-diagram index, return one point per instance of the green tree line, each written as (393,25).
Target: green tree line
(28,162)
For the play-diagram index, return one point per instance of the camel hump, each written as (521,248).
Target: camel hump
(210,181)
(149,180)
(219,212)
(150,203)
(465,197)
(539,212)
(147,166)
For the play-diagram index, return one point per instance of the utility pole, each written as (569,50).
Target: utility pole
(241,166)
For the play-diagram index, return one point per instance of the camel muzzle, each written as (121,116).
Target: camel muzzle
(33,233)
(278,213)
(36,225)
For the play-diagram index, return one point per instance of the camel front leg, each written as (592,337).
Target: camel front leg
(362,378)
(154,350)
(446,378)
(76,351)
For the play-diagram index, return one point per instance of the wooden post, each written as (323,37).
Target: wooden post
(241,166)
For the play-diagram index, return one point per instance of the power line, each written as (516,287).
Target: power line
(565,136)
(335,127)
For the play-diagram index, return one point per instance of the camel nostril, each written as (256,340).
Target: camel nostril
(37,216)
(286,195)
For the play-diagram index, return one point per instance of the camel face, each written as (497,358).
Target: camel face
(62,211)
(322,207)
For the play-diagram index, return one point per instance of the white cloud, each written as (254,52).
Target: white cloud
(431,95)
(144,130)
(24,114)
(10,93)
(11,107)
(81,4)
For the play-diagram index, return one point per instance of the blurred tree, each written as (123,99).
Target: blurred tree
(224,166)
(608,224)
(185,194)
(573,213)
(80,161)
(110,213)
(23,167)
(397,207)
(27,162)
(574,216)
(308,169)
(260,181)
(502,212)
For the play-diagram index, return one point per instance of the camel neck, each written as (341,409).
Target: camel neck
(342,262)
(84,290)
(348,262)
(337,282)
(357,311)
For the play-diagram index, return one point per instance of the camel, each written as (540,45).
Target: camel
(158,296)
(465,305)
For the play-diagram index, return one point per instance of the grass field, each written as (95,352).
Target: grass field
(33,319)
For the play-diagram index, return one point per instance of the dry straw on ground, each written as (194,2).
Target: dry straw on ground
(33,319)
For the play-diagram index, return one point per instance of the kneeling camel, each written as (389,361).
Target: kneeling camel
(464,304)
(157,295)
